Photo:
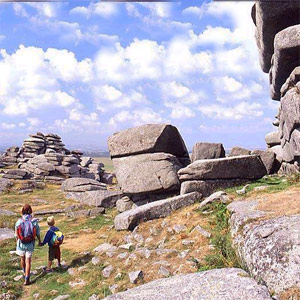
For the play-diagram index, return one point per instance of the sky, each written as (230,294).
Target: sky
(85,70)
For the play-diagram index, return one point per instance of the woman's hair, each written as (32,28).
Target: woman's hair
(26,210)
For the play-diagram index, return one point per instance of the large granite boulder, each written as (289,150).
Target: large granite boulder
(218,284)
(207,151)
(82,185)
(144,173)
(129,219)
(270,17)
(238,167)
(269,247)
(15,174)
(150,138)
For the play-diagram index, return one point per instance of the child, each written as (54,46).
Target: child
(53,243)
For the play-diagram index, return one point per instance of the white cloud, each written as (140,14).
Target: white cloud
(241,110)
(103,9)
(34,122)
(182,112)
(8,125)
(194,10)
(158,9)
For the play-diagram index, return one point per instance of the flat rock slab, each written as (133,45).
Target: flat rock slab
(103,198)
(218,284)
(149,138)
(6,233)
(82,185)
(207,187)
(129,219)
(144,173)
(207,151)
(269,248)
(237,167)
(238,151)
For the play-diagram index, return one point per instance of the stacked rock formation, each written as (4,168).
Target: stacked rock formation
(10,157)
(146,159)
(278,40)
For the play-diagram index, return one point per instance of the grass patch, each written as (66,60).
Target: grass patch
(223,255)
(274,184)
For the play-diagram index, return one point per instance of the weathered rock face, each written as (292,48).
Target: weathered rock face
(158,209)
(150,138)
(207,151)
(144,173)
(239,167)
(219,284)
(238,151)
(270,18)
(6,233)
(278,40)
(269,248)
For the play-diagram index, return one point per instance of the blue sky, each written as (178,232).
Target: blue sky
(87,69)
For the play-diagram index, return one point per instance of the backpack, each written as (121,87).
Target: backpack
(26,232)
(57,238)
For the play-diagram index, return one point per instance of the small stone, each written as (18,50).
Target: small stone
(179,228)
(103,248)
(106,272)
(134,277)
(184,253)
(113,288)
(126,246)
(62,297)
(94,297)
(36,296)
(260,188)
(19,277)
(202,231)
(163,271)
(187,242)
(153,231)
(122,255)
(77,283)
(95,260)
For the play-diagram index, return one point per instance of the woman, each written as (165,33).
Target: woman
(26,230)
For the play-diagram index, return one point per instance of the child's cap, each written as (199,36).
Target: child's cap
(50,221)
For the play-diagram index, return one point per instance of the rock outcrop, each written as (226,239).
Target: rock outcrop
(278,40)
(219,284)
(268,246)
(146,159)
(238,151)
(207,151)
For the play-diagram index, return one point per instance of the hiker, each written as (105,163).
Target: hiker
(54,239)
(26,230)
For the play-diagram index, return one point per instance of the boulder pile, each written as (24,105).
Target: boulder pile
(146,159)
(10,157)
(278,40)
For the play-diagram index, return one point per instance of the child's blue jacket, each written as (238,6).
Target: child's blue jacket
(49,235)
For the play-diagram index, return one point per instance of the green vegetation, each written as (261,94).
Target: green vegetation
(222,255)
(274,184)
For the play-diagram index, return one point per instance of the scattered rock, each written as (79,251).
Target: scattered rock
(202,231)
(135,276)
(6,233)
(187,242)
(163,271)
(272,139)
(243,190)
(5,184)
(106,272)
(19,277)
(62,297)
(95,260)
(103,248)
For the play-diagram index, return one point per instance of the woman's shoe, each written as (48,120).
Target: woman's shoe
(27,280)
